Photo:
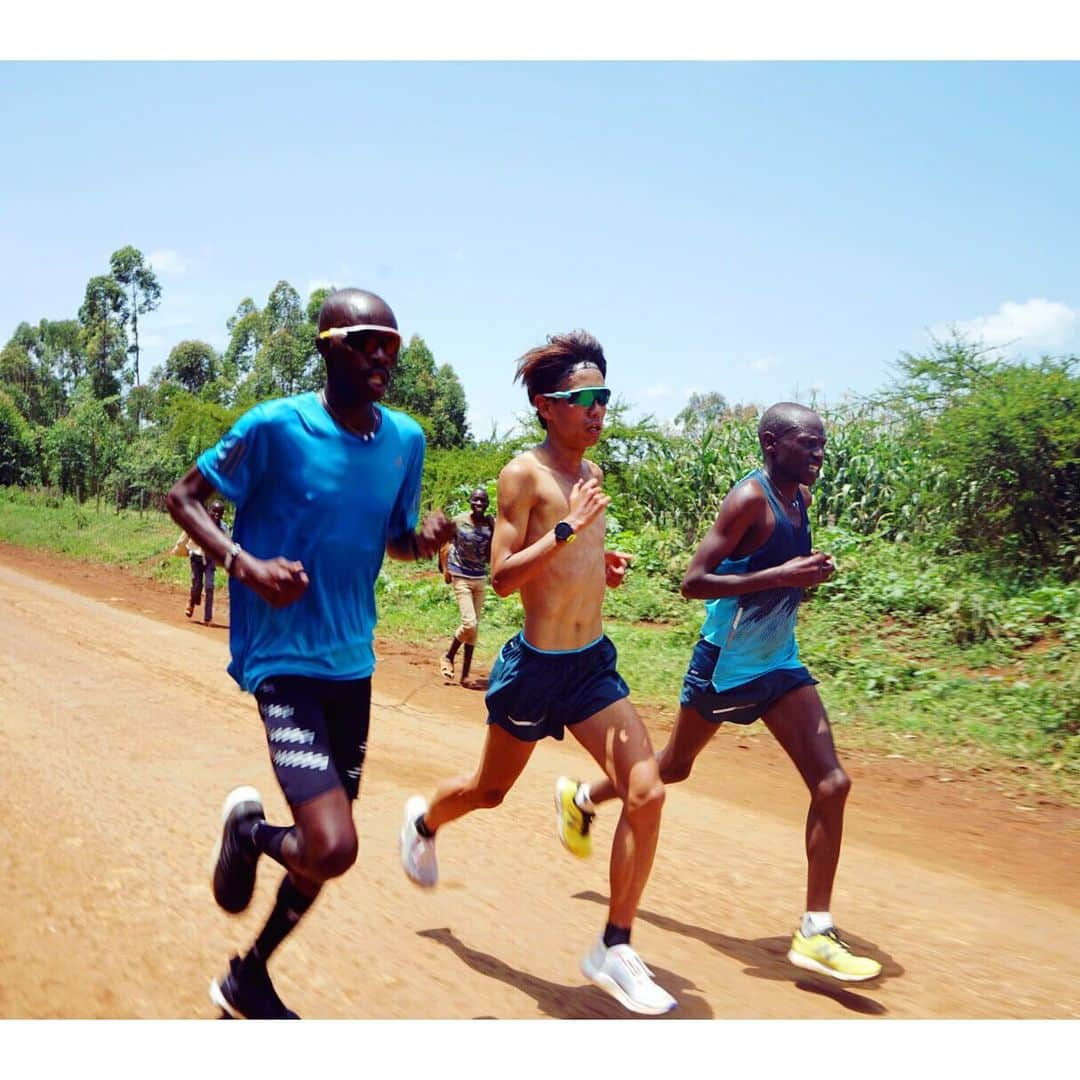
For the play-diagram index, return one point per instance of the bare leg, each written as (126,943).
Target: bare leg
(687,740)
(466,664)
(619,743)
(801,726)
(322,843)
(501,763)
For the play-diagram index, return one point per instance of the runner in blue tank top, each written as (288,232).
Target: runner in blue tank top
(751,571)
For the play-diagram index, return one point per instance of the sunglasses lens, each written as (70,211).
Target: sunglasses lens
(367,341)
(590,396)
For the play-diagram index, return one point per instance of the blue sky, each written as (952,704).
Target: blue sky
(765,230)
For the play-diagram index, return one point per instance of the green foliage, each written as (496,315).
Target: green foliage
(142,292)
(433,394)
(1005,442)
(103,339)
(451,475)
(17,456)
(143,474)
(190,424)
(681,482)
(82,448)
(192,364)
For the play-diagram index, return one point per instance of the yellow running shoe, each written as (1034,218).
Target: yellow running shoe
(828,955)
(571,822)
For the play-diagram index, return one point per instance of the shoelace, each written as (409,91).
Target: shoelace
(834,937)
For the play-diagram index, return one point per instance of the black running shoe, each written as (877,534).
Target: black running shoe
(234,856)
(247,993)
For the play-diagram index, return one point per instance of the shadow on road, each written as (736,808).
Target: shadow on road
(571,1002)
(766,958)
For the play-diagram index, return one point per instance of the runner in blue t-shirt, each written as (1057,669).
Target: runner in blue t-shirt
(751,570)
(325,484)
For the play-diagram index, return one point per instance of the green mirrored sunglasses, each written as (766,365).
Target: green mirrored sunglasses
(585,397)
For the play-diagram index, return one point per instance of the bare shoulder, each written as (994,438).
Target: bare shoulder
(594,470)
(807,495)
(746,496)
(519,469)
(518,477)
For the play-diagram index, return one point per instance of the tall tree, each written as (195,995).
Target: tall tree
(102,332)
(246,333)
(142,292)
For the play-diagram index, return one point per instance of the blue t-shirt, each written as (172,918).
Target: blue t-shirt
(308,489)
(756,631)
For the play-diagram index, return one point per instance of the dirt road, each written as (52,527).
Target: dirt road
(122,733)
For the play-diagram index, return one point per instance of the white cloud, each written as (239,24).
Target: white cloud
(167,262)
(763,363)
(1036,322)
(658,391)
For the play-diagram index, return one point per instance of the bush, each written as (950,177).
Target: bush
(18,464)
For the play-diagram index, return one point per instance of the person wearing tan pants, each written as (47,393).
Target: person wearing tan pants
(467,567)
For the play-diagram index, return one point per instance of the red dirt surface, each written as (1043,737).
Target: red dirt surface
(123,733)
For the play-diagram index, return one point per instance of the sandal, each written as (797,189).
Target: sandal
(446,665)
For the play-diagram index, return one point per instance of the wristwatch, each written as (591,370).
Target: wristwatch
(564,533)
(230,557)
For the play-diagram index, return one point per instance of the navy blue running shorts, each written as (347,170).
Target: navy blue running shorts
(740,704)
(534,694)
(316,731)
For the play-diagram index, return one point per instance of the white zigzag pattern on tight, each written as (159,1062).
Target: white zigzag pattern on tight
(291,734)
(277,712)
(301,759)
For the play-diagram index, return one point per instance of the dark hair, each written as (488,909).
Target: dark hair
(542,369)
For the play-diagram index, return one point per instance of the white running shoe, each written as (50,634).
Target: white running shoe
(620,971)
(417,852)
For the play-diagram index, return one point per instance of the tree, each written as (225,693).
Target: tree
(702,413)
(59,346)
(142,293)
(192,364)
(246,334)
(1004,441)
(272,352)
(16,446)
(435,397)
(102,333)
(28,376)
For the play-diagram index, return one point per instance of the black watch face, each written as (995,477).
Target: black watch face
(563,531)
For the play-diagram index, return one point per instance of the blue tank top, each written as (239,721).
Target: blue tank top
(755,632)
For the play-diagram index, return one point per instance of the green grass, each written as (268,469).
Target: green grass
(923,656)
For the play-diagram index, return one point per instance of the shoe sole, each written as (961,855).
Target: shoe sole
(217,996)
(808,963)
(610,986)
(234,798)
(559,828)
(402,837)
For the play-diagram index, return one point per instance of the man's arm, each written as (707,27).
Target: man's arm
(279,581)
(513,564)
(743,508)
(435,530)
